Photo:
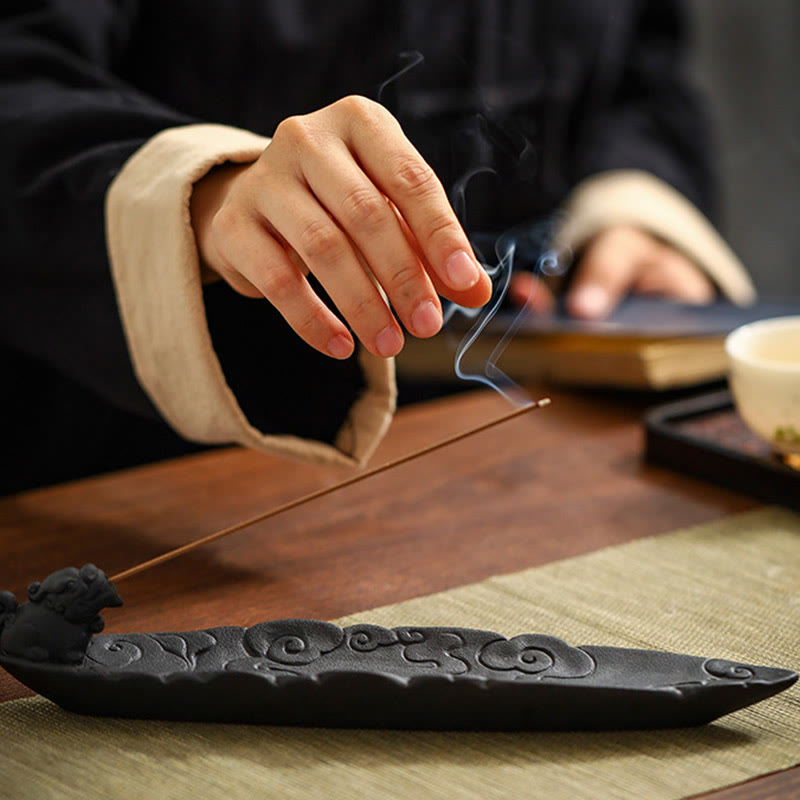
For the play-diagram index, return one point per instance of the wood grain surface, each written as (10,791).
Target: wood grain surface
(557,482)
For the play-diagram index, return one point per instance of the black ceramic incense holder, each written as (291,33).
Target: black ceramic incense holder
(307,672)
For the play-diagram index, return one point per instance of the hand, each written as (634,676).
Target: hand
(342,194)
(619,261)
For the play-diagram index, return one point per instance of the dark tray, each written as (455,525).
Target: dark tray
(705,437)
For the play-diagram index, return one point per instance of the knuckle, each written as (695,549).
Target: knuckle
(362,313)
(288,127)
(321,240)
(404,280)
(279,286)
(442,226)
(312,325)
(359,106)
(297,130)
(412,176)
(365,209)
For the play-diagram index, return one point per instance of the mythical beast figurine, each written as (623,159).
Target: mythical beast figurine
(60,616)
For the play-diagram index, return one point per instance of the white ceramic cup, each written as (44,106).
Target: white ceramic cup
(764,360)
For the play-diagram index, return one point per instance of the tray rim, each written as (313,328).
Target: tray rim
(668,446)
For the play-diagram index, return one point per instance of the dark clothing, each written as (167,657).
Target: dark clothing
(531,96)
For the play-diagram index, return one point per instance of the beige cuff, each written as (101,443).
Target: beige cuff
(156,273)
(631,197)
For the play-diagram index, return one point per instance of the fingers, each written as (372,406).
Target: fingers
(401,174)
(605,273)
(372,225)
(672,274)
(339,218)
(624,259)
(471,298)
(341,193)
(264,266)
(331,257)
(528,290)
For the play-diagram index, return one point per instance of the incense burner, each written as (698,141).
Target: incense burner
(308,672)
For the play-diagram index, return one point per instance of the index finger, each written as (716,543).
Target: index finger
(400,172)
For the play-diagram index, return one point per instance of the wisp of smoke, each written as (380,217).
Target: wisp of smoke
(490,373)
(535,240)
(410,59)
(491,376)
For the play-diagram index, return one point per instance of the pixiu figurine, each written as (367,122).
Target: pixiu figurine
(60,616)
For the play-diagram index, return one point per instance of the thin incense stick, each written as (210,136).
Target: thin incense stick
(362,476)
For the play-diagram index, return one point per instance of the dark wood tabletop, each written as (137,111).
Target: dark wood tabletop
(553,483)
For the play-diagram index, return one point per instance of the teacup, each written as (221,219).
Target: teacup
(764,359)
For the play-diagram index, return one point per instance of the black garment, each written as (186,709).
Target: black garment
(541,93)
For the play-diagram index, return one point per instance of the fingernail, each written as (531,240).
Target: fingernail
(340,346)
(389,342)
(461,270)
(591,301)
(426,319)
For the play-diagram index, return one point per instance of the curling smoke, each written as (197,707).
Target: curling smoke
(490,375)
(409,60)
(534,241)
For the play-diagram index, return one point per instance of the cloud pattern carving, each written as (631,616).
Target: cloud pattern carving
(293,641)
(301,646)
(535,654)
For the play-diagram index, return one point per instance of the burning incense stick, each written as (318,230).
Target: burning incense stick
(361,476)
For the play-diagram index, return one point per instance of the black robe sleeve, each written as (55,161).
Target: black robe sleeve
(639,109)
(67,125)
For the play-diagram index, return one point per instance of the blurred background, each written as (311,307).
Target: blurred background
(747,62)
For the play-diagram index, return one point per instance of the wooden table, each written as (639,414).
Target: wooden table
(554,483)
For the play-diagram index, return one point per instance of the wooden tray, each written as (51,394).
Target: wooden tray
(705,437)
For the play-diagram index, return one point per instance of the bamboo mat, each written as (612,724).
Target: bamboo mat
(729,589)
